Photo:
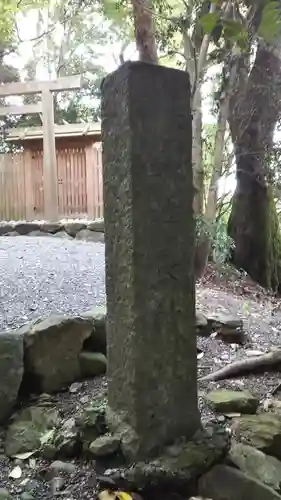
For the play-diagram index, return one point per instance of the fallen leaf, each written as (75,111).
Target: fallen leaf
(16,472)
(122,495)
(24,456)
(25,481)
(114,495)
(106,495)
(32,463)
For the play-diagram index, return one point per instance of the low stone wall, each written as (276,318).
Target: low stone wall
(88,231)
(48,354)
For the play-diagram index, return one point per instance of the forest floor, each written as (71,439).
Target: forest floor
(235,294)
(228,292)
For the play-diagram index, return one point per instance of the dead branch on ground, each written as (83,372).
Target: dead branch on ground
(245,366)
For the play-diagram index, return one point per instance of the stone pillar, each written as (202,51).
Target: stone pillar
(149,243)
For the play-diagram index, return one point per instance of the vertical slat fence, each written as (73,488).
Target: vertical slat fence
(79,174)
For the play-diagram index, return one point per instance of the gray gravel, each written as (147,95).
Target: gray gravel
(44,275)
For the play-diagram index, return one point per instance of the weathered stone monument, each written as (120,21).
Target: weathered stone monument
(149,237)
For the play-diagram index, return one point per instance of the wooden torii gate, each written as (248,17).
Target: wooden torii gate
(46,107)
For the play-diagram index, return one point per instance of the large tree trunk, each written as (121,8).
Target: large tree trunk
(253,223)
(144,31)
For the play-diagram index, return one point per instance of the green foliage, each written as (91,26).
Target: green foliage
(236,32)
(210,21)
(228,29)
(270,24)
(203,227)
(222,243)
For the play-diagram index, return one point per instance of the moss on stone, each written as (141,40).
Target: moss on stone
(180,466)
(261,431)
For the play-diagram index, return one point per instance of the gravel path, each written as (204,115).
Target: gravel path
(45,275)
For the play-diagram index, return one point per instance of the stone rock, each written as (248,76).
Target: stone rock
(226,483)
(24,228)
(26,495)
(62,234)
(202,327)
(229,328)
(224,319)
(49,451)
(228,401)
(262,431)
(87,235)
(256,464)
(6,228)
(92,363)
(12,233)
(178,470)
(11,371)
(105,445)
(201,320)
(29,428)
(37,233)
(231,335)
(96,226)
(50,227)
(97,340)
(57,484)
(72,228)
(60,467)
(4,494)
(52,347)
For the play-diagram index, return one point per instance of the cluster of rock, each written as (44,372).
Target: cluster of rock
(252,467)
(222,469)
(89,231)
(225,326)
(212,465)
(40,429)
(48,354)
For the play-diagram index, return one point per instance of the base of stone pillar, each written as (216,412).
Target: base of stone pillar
(178,469)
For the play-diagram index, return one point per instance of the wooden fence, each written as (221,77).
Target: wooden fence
(79,174)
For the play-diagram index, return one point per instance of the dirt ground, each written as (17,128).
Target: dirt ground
(229,292)
(261,314)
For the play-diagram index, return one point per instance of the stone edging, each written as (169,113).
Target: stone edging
(89,231)
(33,360)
